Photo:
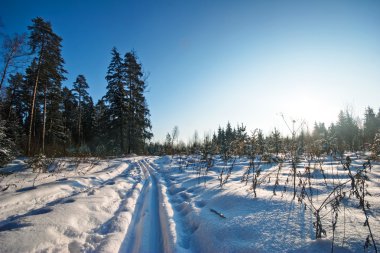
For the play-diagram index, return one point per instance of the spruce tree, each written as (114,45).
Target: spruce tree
(116,97)
(139,126)
(69,113)
(370,125)
(55,135)
(260,142)
(276,141)
(101,127)
(88,120)
(13,110)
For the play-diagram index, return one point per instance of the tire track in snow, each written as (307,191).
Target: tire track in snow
(145,233)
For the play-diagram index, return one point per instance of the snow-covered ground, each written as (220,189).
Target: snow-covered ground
(171,204)
(82,206)
(267,223)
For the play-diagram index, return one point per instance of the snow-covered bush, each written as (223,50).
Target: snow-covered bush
(39,163)
(7,146)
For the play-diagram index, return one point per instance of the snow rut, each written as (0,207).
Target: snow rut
(147,232)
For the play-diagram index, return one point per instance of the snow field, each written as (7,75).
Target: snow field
(268,223)
(168,204)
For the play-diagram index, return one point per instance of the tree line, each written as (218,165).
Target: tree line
(40,116)
(346,134)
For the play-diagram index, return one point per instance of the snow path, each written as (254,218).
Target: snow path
(145,233)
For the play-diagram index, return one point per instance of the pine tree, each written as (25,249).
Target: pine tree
(49,73)
(82,99)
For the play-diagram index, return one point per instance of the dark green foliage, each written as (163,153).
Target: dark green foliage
(69,113)
(83,111)
(138,122)
(274,142)
(13,109)
(41,117)
(127,110)
(371,125)
(116,98)
(101,126)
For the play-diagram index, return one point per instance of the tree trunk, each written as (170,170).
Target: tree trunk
(122,134)
(44,123)
(130,123)
(294,178)
(10,104)
(79,122)
(34,100)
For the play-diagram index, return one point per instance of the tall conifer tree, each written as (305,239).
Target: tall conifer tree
(82,98)
(117,99)
(139,126)
(46,46)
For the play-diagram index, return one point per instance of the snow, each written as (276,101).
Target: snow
(268,223)
(156,204)
(68,211)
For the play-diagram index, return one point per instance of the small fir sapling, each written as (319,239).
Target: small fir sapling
(39,164)
(250,151)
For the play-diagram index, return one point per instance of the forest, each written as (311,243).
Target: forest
(40,116)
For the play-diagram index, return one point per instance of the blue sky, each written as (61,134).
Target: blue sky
(209,62)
